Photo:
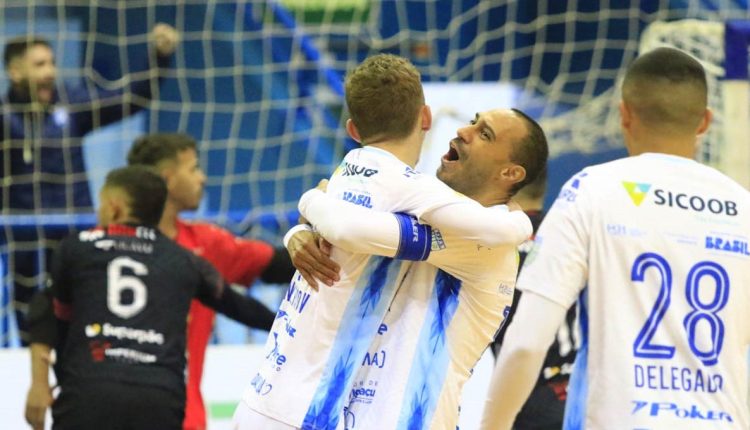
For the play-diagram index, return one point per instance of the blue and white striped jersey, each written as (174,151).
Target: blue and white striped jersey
(443,316)
(320,339)
(660,244)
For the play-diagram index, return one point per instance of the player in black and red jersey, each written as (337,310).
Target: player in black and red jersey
(122,293)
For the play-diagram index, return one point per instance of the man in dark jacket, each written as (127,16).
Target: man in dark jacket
(41,157)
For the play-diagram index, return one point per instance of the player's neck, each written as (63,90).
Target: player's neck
(489,196)
(679,146)
(407,150)
(168,222)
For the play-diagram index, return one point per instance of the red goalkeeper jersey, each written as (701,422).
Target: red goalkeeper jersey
(239,261)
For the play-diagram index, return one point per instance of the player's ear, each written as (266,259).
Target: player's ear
(426,117)
(705,122)
(15,74)
(626,117)
(352,130)
(514,174)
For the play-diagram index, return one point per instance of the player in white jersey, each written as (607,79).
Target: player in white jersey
(320,337)
(655,249)
(448,308)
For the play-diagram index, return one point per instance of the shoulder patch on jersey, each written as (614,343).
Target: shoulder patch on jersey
(569,192)
(351,169)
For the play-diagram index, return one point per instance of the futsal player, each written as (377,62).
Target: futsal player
(122,292)
(320,338)
(654,249)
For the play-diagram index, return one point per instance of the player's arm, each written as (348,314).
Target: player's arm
(551,281)
(42,338)
(361,230)
(311,255)
(436,204)
(49,315)
(248,260)
(457,216)
(521,357)
(106,106)
(39,396)
(215,293)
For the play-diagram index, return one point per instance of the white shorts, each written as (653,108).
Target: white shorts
(248,419)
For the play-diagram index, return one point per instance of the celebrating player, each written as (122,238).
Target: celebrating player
(447,309)
(654,248)
(320,338)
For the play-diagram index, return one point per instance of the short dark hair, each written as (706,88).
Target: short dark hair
(531,152)
(667,89)
(152,149)
(18,46)
(536,189)
(146,190)
(384,96)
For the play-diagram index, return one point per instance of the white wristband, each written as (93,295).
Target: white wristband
(294,230)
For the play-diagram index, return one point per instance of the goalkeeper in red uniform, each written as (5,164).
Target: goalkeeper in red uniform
(239,261)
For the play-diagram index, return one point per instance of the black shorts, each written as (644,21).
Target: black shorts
(113,405)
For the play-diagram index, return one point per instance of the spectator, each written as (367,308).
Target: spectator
(41,159)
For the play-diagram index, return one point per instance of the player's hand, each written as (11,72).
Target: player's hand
(513,206)
(38,399)
(322,185)
(165,39)
(311,257)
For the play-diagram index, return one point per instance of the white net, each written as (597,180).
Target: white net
(258,84)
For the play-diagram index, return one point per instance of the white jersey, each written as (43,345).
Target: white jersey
(662,244)
(319,339)
(443,317)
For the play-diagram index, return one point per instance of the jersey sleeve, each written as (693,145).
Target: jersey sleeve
(241,260)
(436,204)
(360,230)
(215,293)
(557,266)
(210,283)
(62,294)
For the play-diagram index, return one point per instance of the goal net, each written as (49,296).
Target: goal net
(259,85)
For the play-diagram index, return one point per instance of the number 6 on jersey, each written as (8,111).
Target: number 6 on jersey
(118,283)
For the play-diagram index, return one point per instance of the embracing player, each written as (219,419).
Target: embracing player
(320,338)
